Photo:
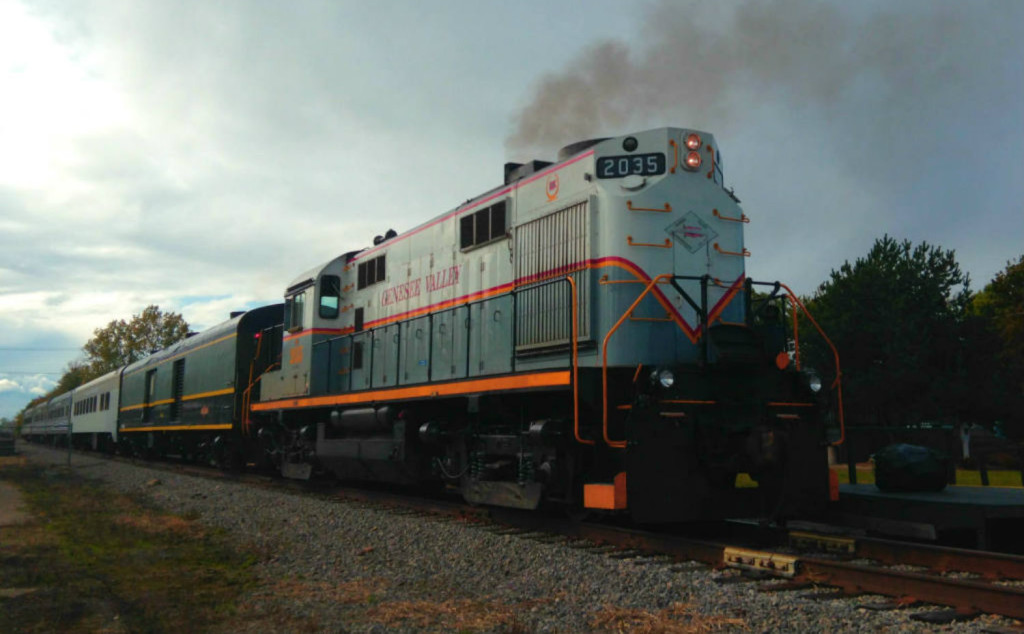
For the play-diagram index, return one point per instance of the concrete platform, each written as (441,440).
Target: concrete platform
(986,511)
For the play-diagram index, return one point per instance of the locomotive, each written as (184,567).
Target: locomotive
(582,335)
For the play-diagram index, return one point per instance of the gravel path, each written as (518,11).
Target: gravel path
(337,566)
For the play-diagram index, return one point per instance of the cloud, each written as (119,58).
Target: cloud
(838,122)
(7,385)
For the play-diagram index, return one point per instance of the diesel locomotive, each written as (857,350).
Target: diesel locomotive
(582,335)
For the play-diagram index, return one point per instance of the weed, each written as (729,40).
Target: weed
(101,560)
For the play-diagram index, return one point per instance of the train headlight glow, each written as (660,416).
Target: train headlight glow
(813,380)
(666,378)
(693,141)
(692,161)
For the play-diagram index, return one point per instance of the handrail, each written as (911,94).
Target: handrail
(742,218)
(744,254)
(575,371)
(675,153)
(837,384)
(666,245)
(604,280)
(618,444)
(667,317)
(245,420)
(666,210)
(247,395)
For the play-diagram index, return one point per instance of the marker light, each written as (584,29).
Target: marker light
(693,141)
(629,143)
(692,161)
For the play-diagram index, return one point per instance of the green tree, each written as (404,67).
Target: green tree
(997,344)
(897,316)
(120,343)
(77,373)
(1001,303)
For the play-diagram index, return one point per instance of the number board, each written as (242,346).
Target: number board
(639,164)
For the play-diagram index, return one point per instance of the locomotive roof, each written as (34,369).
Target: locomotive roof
(486,195)
(310,276)
(210,334)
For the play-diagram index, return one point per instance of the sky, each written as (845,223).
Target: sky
(200,155)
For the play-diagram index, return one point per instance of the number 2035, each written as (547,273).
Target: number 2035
(640,164)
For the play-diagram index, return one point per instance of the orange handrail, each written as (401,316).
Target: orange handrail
(575,371)
(618,444)
(666,210)
(744,254)
(247,393)
(666,245)
(742,218)
(667,317)
(675,153)
(837,384)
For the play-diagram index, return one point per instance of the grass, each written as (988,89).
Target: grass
(677,619)
(97,560)
(964,477)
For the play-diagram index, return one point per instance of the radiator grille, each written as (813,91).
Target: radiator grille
(546,249)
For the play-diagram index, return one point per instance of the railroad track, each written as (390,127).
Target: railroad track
(967,582)
(856,566)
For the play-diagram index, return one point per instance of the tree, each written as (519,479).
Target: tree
(120,343)
(77,373)
(1001,303)
(896,316)
(997,316)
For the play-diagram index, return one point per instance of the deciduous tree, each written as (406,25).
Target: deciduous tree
(120,343)
(997,346)
(896,317)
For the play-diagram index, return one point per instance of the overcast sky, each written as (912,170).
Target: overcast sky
(199,155)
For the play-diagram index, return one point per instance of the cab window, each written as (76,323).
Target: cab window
(330,296)
(293,311)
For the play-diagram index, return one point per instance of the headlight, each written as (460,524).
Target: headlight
(692,161)
(813,380)
(666,378)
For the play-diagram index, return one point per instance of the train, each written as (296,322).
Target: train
(584,335)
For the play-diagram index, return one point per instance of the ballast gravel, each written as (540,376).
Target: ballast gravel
(334,566)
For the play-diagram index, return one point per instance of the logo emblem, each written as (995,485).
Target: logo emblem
(552,190)
(692,232)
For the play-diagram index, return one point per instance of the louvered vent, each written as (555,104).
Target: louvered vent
(546,249)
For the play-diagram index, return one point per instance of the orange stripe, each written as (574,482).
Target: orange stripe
(319,331)
(456,388)
(177,428)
